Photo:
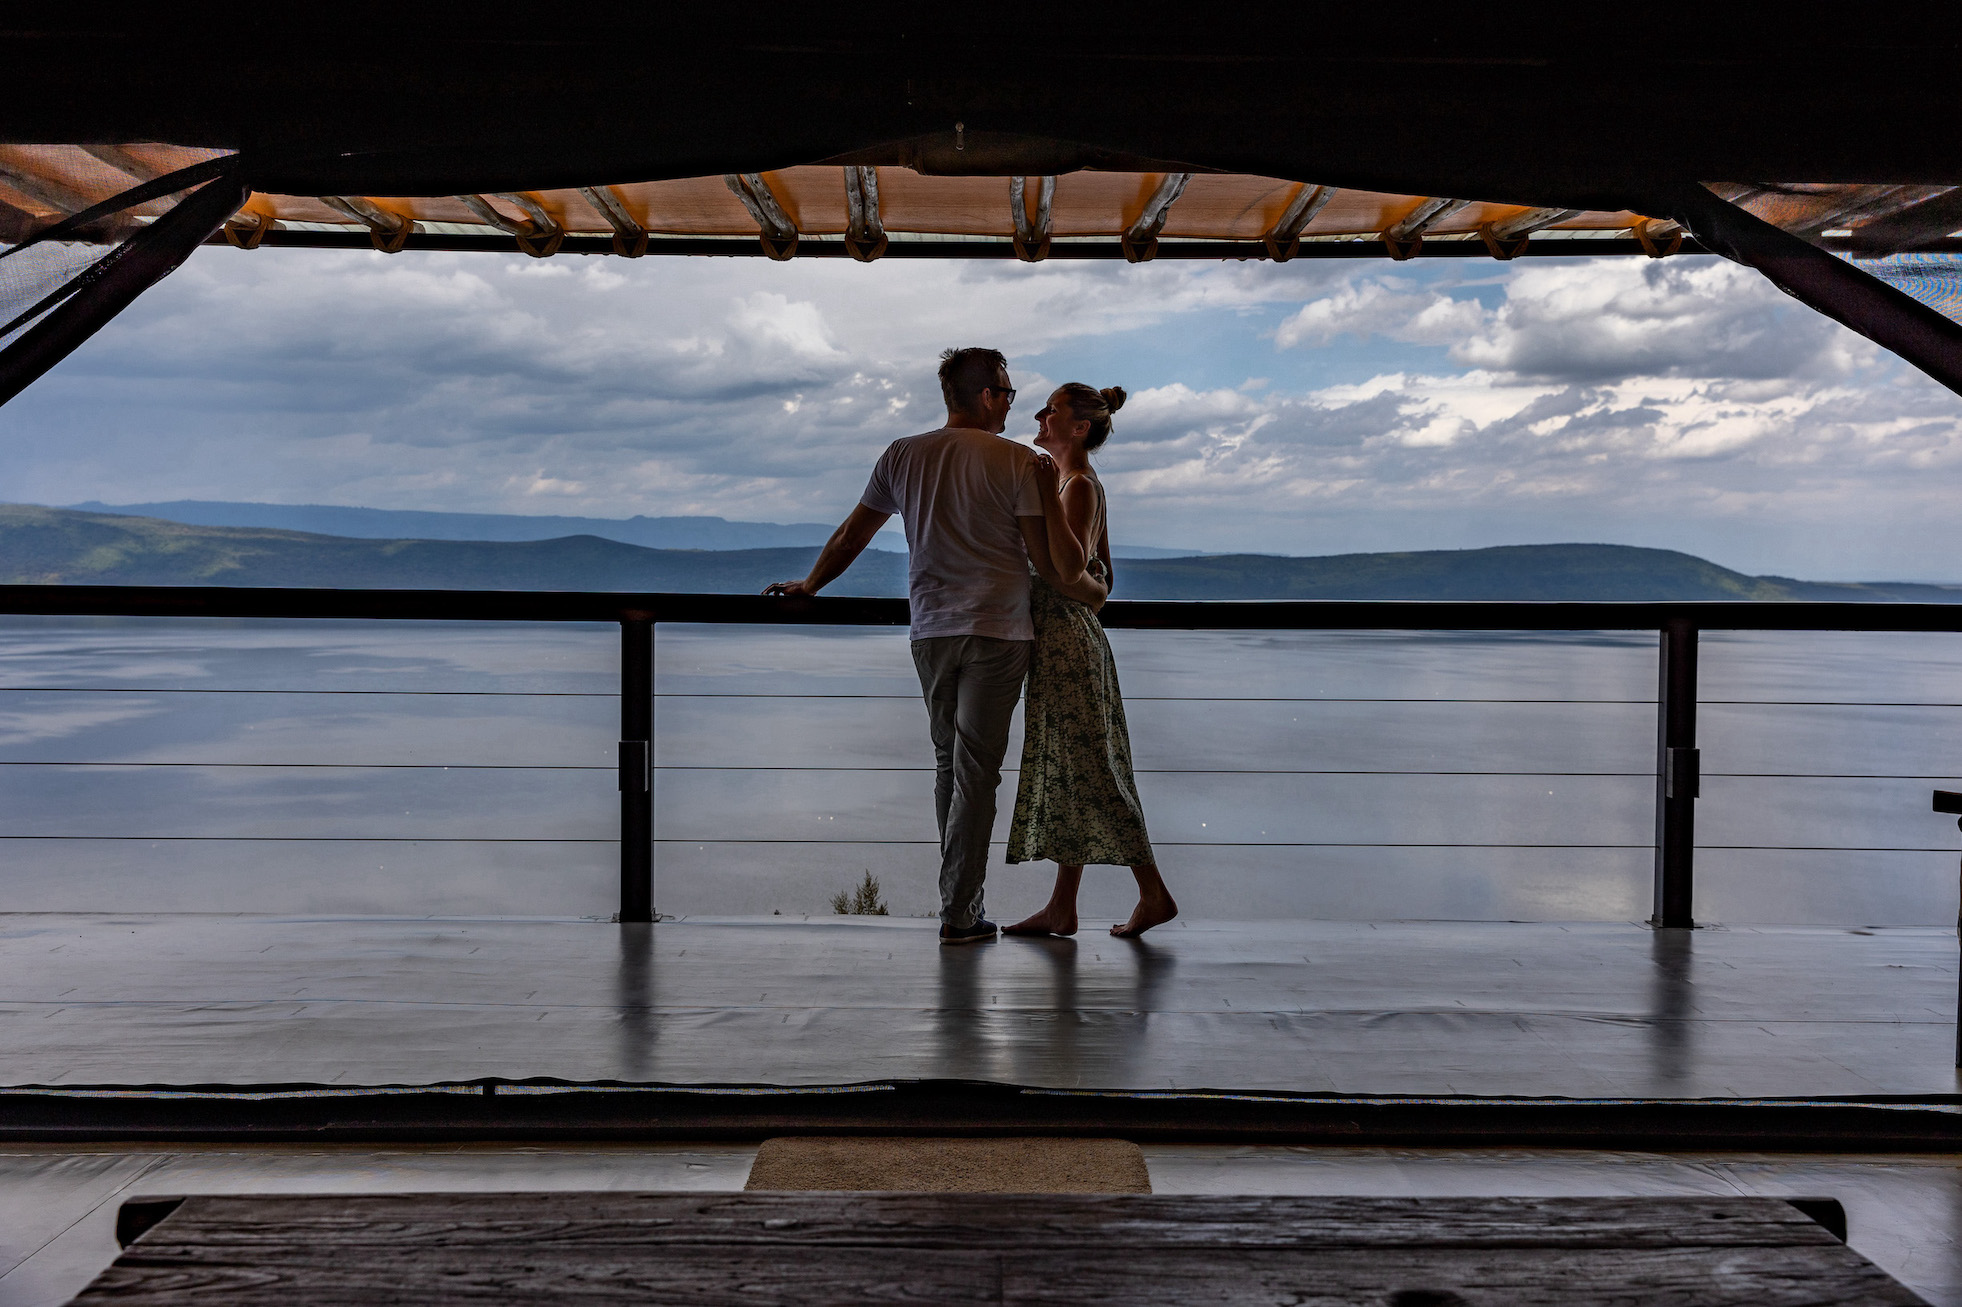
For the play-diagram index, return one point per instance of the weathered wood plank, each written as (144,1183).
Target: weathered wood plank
(971,1220)
(1082,1250)
(722,1274)
(1471,1277)
(434,1276)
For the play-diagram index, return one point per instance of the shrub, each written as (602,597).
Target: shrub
(863,901)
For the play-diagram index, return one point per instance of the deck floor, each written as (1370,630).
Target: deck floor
(1585,1010)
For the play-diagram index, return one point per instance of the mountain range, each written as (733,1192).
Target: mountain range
(55,546)
(408,524)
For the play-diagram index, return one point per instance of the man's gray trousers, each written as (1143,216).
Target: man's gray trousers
(971,683)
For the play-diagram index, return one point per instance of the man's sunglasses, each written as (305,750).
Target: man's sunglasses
(1003,390)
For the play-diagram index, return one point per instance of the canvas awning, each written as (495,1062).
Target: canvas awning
(868,212)
(864,211)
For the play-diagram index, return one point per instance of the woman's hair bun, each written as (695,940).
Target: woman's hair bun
(1113,397)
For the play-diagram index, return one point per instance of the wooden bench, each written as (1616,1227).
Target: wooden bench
(1075,1249)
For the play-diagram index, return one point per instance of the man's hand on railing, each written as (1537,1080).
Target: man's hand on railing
(790,589)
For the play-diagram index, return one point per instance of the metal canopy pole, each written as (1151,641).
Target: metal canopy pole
(637,767)
(1678,775)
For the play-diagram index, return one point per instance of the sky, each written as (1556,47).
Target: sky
(1314,407)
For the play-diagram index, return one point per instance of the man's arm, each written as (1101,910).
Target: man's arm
(1086,589)
(839,552)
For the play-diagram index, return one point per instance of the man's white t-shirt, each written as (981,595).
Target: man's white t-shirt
(959,491)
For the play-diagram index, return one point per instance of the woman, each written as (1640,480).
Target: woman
(1077,802)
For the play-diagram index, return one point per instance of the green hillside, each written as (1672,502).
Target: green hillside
(51,546)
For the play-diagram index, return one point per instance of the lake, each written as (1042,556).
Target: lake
(464,770)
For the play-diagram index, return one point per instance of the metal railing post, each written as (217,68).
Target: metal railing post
(1950,802)
(637,767)
(1678,775)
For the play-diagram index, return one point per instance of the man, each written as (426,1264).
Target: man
(974,522)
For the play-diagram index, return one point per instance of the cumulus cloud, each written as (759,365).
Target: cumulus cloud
(1386,306)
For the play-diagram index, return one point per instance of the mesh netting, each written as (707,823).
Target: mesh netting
(41,276)
(1934,279)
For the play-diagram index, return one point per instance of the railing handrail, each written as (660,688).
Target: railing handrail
(1138,614)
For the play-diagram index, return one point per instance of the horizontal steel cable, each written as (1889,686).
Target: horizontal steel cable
(1006,771)
(934,844)
(913,698)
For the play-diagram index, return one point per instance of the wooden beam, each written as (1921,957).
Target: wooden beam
(774,227)
(1283,239)
(122,161)
(1140,240)
(58,196)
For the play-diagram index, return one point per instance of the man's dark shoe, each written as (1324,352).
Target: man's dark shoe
(981,929)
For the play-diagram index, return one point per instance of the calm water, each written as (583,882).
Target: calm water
(431,768)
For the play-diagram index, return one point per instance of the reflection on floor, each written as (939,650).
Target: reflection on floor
(1584,1010)
(58,1205)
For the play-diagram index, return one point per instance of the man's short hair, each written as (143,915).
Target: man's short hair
(965,373)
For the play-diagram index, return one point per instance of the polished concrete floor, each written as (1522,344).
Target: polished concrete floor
(58,1205)
(1585,1010)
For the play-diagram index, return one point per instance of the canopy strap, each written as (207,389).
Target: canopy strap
(629,237)
(1032,235)
(774,227)
(865,231)
(1283,239)
(1140,240)
(1658,240)
(1506,239)
(1836,287)
(115,280)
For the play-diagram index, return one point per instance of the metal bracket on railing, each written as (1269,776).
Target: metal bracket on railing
(636,766)
(1682,776)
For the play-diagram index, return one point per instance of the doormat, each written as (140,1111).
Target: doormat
(993,1166)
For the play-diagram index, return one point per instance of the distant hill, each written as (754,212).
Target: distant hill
(54,546)
(406,524)
(401,524)
(1598,573)
(57,546)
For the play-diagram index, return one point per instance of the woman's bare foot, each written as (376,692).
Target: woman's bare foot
(1152,910)
(1049,921)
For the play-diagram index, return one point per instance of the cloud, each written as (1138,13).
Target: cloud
(1392,307)
(1679,401)
(1605,319)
